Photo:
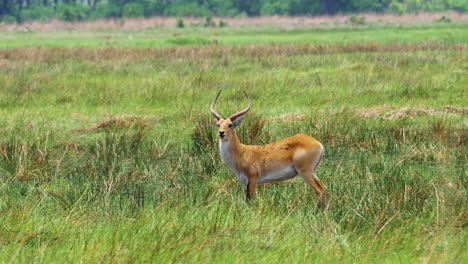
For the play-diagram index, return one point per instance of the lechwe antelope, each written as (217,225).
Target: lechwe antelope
(278,161)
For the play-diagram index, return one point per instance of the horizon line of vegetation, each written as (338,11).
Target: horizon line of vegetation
(18,11)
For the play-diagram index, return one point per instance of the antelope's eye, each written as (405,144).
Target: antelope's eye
(230,125)
(217,124)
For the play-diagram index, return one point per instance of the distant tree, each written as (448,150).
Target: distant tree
(368,5)
(250,7)
(133,10)
(73,11)
(222,8)
(106,10)
(305,7)
(36,11)
(397,7)
(274,7)
(92,4)
(328,6)
(5,8)
(187,8)
(458,5)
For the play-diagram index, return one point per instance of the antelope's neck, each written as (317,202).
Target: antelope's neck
(231,151)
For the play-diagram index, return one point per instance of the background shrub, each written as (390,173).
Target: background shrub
(37,12)
(133,10)
(223,23)
(106,10)
(180,23)
(8,19)
(72,12)
(397,7)
(356,20)
(209,22)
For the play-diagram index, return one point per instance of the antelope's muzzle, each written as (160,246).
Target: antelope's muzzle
(221,133)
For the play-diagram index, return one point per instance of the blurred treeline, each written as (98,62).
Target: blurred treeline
(77,10)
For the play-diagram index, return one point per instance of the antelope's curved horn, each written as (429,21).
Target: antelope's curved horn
(243,112)
(216,115)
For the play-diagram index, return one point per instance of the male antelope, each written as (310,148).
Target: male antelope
(278,161)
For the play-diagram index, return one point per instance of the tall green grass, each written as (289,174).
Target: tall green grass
(155,190)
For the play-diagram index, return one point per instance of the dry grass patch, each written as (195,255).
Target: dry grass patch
(386,113)
(40,54)
(288,118)
(373,112)
(121,121)
(408,112)
(461,110)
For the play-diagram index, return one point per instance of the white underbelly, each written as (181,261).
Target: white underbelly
(279,175)
(241,177)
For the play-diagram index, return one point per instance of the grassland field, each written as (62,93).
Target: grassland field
(108,152)
(155,37)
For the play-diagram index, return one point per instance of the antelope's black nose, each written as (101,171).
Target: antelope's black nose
(221,133)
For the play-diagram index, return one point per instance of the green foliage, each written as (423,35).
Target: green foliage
(183,9)
(180,23)
(222,23)
(133,10)
(397,7)
(106,10)
(209,22)
(223,8)
(434,5)
(412,6)
(356,20)
(304,7)
(458,5)
(37,12)
(241,15)
(273,7)
(443,19)
(368,5)
(74,11)
(9,19)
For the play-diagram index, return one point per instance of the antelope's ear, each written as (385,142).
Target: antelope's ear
(237,122)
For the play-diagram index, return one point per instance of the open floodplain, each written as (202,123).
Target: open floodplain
(108,151)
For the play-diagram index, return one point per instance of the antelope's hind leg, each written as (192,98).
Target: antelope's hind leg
(308,173)
(311,178)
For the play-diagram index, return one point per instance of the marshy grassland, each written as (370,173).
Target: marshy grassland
(108,152)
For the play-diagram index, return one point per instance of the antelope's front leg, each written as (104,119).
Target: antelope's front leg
(251,186)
